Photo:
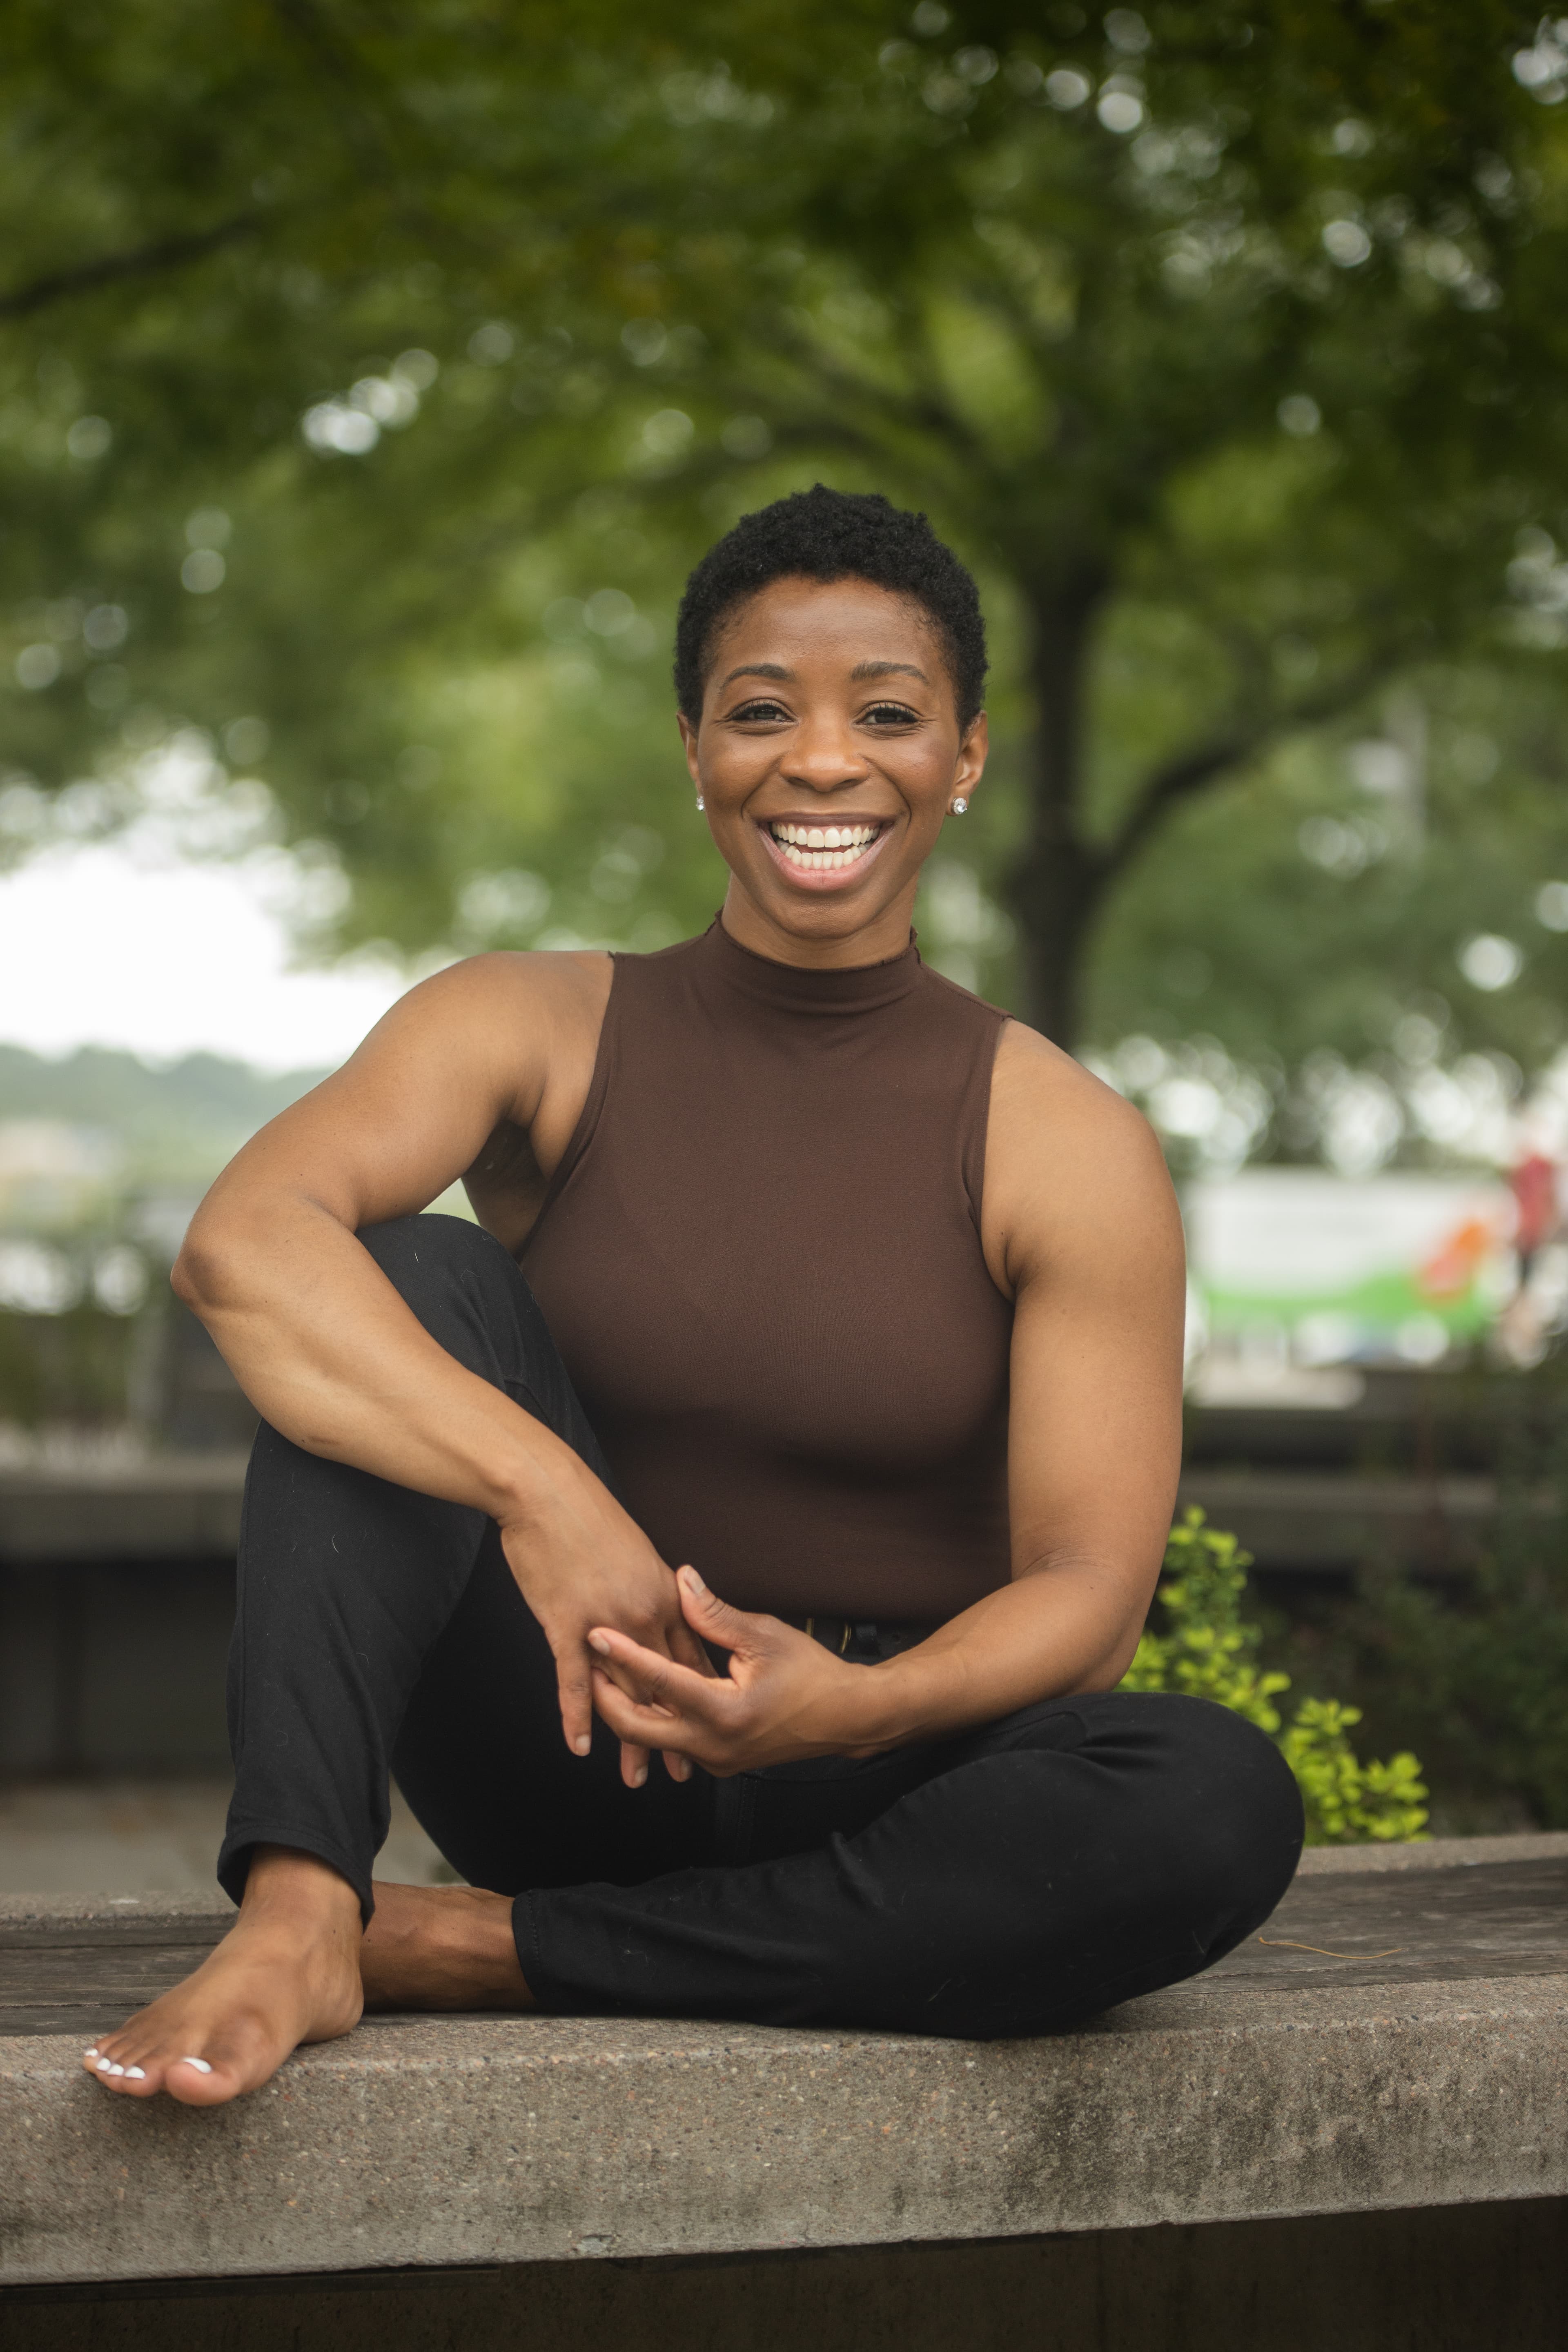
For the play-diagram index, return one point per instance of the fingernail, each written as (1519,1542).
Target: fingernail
(136,2074)
(694,1580)
(640,1777)
(581,1745)
(199,2064)
(599,1642)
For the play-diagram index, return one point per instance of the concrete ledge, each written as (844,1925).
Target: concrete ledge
(170,1507)
(180,1506)
(1270,2087)
(1331,1522)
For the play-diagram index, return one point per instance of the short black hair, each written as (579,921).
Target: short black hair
(823,534)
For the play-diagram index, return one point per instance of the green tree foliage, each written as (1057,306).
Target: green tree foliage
(1226,340)
(1208,1651)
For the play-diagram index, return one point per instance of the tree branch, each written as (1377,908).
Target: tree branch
(141,261)
(1179,778)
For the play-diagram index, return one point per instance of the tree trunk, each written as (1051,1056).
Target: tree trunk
(1057,885)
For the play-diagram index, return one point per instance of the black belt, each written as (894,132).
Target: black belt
(861,1639)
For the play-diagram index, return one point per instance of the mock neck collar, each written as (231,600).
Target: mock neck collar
(801,988)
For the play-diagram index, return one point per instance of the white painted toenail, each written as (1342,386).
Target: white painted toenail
(136,2074)
(106,2065)
(90,2053)
(117,2069)
(199,2064)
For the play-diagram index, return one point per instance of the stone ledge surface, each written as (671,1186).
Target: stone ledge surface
(509,2140)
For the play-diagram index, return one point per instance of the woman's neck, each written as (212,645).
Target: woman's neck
(887,934)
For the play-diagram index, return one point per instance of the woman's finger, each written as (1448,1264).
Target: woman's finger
(685,1647)
(649,1680)
(645,1724)
(713,1619)
(573,1680)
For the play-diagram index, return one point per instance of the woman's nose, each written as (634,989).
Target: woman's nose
(823,757)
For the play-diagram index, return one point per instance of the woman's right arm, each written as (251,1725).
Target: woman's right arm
(327,1352)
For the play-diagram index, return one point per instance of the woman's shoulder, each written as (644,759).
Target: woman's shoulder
(1034,1079)
(523,977)
(1067,1156)
(523,1026)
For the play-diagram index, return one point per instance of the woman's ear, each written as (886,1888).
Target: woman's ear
(689,744)
(972,753)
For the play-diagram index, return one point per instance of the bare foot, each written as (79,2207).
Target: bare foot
(286,1972)
(441,1947)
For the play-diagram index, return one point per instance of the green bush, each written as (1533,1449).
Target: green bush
(1207,1651)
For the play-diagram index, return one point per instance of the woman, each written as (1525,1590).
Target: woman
(847,1299)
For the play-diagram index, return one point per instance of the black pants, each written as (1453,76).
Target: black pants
(1010,1880)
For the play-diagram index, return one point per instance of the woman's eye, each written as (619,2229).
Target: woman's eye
(892,714)
(759,710)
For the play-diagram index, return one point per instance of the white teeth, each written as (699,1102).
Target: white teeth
(817,836)
(823,848)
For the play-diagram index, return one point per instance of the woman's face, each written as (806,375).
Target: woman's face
(828,755)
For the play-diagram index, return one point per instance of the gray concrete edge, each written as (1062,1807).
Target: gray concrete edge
(1317,1861)
(482,2140)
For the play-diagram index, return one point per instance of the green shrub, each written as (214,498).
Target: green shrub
(1207,1651)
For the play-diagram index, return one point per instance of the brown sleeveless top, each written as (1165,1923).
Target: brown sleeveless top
(761,1260)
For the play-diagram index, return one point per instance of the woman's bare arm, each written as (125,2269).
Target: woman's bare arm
(1081,1226)
(327,1352)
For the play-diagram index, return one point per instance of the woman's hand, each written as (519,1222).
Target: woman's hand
(582,1565)
(785,1697)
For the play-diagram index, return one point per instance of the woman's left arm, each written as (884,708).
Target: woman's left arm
(1080,1228)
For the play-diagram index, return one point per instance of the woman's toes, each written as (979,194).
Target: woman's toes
(196,2083)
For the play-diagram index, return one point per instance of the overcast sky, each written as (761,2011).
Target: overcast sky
(97,948)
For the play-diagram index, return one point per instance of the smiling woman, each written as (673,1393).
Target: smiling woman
(808,1277)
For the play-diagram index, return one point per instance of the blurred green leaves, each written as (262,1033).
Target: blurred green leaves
(385,370)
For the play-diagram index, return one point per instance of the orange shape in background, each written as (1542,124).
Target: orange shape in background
(1456,1261)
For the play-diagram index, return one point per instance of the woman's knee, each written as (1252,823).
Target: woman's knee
(424,1257)
(461,1284)
(1243,1821)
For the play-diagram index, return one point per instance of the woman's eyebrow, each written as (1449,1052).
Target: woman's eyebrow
(757,669)
(865,669)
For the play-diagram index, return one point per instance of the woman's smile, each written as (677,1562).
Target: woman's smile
(818,856)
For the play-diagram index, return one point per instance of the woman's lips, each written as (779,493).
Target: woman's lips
(822,855)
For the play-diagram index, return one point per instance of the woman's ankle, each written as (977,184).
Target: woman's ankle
(286,1878)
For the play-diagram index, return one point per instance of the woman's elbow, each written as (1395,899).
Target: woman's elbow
(190,1274)
(203,1275)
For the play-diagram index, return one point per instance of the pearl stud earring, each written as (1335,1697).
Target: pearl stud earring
(700,802)
(959,804)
